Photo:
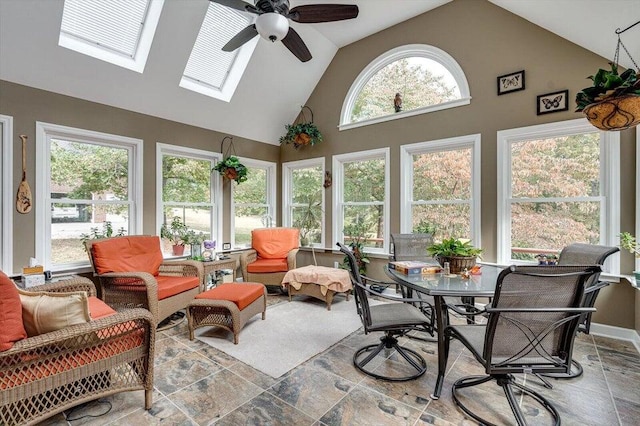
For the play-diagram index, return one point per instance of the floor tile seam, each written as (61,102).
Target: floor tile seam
(313,419)
(253,384)
(387,396)
(175,341)
(168,395)
(606,380)
(238,406)
(181,410)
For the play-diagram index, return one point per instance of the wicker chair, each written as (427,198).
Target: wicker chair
(531,328)
(273,253)
(134,281)
(43,375)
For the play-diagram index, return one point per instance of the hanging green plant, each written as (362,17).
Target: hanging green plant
(303,133)
(232,169)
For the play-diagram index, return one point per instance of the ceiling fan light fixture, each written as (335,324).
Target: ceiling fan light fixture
(272,26)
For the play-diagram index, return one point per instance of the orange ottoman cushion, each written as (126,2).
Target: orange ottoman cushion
(268,265)
(241,294)
(170,286)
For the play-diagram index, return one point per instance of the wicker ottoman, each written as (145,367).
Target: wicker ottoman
(229,306)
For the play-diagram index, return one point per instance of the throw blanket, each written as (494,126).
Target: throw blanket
(327,278)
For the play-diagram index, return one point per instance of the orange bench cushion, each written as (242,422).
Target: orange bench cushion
(241,294)
(268,265)
(11,325)
(170,286)
(275,243)
(136,253)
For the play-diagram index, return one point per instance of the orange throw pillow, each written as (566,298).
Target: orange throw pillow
(11,326)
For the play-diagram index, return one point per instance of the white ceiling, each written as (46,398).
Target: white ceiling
(275,84)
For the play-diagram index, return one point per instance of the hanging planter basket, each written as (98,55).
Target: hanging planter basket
(613,101)
(230,167)
(303,133)
(616,113)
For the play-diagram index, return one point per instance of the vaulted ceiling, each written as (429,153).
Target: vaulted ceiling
(275,84)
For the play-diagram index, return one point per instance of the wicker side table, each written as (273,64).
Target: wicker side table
(211,266)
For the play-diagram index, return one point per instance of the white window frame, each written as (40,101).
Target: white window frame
(163,149)
(393,55)
(6,194)
(44,133)
(338,193)
(406,180)
(637,216)
(139,59)
(287,191)
(609,178)
(270,190)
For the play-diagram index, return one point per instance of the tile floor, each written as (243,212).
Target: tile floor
(196,384)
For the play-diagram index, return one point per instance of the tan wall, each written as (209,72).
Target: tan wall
(27,105)
(486,41)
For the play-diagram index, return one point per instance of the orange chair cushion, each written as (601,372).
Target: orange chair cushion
(261,266)
(99,309)
(241,294)
(136,253)
(11,325)
(275,243)
(170,286)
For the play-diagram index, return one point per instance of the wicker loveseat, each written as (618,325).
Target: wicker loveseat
(43,375)
(133,273)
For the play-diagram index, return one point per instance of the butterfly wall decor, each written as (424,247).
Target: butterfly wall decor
(512,82)
(553,102)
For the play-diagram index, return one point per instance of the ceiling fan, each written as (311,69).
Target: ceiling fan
(272,22)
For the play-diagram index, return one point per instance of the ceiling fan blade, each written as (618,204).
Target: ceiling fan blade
(295,44)
(314,13)
(237,4)
(241,38)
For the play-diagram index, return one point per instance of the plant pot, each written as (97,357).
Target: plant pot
(231,174)
(196,250)
(614,113)
(457,264)
(178,250)
(304,241)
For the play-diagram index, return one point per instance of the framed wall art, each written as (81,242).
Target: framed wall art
(553,102)
(511,82)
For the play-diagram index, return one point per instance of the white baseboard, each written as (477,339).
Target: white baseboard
(619,333)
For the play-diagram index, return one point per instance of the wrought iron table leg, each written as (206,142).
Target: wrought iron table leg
(442,321)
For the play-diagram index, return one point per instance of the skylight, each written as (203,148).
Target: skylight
(115,31)
(210,71)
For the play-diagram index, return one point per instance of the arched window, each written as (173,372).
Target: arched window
(405,81)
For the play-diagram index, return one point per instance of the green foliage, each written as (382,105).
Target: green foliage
(424,227)
(308,218)
(608,84)
(185,180)
(106,232)
(193,237)
(232,169)
(356,232)
(301,134)
(453,247)
(175,232)
(417,85)
(629,242)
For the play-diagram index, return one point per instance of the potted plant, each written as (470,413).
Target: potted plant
(232,169)
(459,253)
(424,227)
(308,219)
(613,102)
(628,242)
(357,233)
(195,240)
(175,232)
(301,134)
(105,232)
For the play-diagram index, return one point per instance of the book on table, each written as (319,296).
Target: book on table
(413,267)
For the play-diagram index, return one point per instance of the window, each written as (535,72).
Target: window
(440,186)
(303,199)
(116,31)
(210,71)
(186,188)
(6,194)
(253,201)
(426,79)
(558,183)
(361,198)
(83,180)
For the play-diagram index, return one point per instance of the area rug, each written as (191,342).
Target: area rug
(292,333)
